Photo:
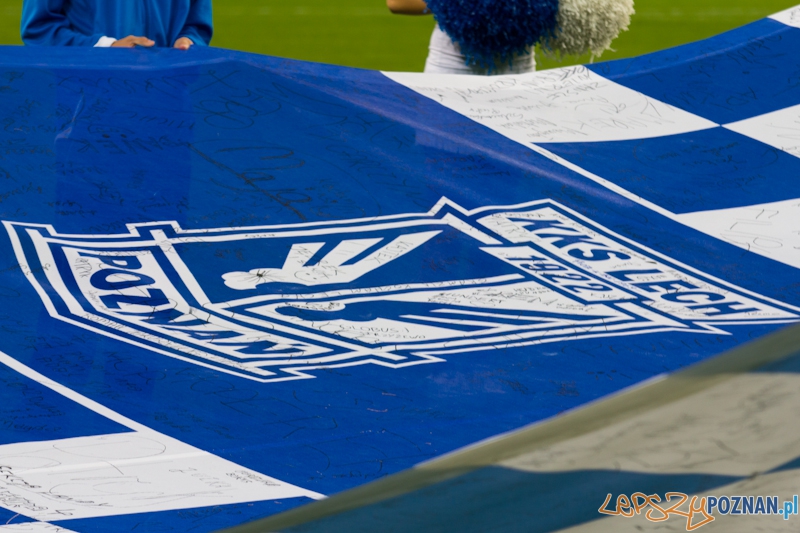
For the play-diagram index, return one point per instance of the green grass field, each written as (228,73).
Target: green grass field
(363,33)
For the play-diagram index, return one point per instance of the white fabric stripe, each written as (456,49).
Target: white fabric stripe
(771,230)
(572,104)
(790,17)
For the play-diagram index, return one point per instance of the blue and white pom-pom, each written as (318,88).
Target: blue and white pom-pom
(491,32)
(587,26)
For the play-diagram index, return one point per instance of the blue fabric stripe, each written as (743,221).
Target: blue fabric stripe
(698,171)
(736,75)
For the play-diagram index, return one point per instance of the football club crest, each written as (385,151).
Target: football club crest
(276,303)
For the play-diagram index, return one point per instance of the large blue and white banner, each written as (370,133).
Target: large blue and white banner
(233,284)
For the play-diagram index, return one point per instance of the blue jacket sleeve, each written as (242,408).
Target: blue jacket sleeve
(45,23)
(198,25)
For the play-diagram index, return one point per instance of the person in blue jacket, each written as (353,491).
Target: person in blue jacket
(118,23)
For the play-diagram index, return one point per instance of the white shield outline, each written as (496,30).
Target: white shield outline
(32,244)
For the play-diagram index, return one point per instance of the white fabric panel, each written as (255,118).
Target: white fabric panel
(790,17)
(771,230)
(570,104)
(125,473)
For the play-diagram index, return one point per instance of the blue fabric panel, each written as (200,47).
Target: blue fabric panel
(32,412)
(791,465)
(740,74)
(699,171)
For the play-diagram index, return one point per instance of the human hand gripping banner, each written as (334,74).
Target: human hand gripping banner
(233,284)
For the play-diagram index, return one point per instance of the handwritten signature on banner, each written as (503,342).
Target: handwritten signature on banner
(697,514)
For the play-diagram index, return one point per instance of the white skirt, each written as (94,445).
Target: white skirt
(445,57)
